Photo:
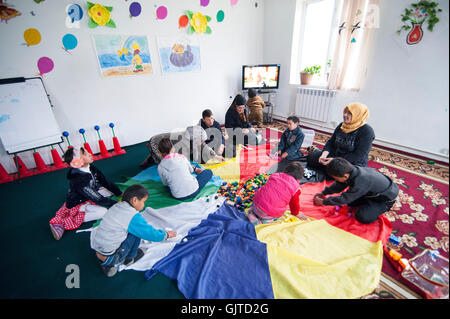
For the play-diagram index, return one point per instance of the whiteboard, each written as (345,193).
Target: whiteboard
(26,116)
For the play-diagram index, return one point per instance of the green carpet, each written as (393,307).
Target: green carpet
(34,264)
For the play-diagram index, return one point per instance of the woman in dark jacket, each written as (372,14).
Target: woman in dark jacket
(352,139)
(237,123)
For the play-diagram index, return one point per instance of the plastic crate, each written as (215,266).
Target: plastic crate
(309,137)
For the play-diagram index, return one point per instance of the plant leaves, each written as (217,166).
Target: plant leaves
(111,24)
(190,30)
(189,14)
(208,30)
(89,5)
(108,8)
(208,18)
(92,23)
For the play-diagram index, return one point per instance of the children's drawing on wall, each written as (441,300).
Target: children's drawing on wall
(179,54)
(123,55)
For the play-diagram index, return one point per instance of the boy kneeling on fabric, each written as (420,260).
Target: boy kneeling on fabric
(372,191)
(116,239)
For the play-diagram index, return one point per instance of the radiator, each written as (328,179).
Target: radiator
(315,104)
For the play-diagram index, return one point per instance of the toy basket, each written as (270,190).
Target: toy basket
(429,272)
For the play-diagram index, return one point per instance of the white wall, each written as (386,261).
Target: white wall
(140,106)
(406,89)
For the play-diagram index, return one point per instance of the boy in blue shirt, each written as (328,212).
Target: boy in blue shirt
(290,143)
(116,239)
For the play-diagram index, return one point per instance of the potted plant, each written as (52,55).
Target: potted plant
(307,74)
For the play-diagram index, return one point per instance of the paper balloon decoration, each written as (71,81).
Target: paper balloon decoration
(69,41)
(204,3)
(161,12)
(183,21)
(32,36)
(233,2)
(99,15)
(45,65)
(135,9)
(220,16)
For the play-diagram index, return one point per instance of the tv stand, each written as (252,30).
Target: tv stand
(267,91)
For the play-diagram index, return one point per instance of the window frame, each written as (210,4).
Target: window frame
(298,42)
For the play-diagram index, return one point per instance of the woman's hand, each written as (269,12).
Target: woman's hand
(245,131)
(252,130)
(219,158)
(323,158)
(326,161)
(284,155)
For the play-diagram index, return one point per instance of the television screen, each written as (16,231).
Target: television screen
(260,76)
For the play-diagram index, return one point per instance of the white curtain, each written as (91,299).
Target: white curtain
(353,28)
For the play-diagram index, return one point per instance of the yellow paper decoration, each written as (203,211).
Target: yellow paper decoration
(199,22)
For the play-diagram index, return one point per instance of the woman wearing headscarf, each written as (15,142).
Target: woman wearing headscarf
(352,139)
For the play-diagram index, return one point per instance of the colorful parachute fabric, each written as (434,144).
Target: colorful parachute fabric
(219,254)
(220,258)
(224,258)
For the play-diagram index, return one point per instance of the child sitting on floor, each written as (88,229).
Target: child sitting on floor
(282,189)
(290,143)
(116,239)
(372,191)
(255,105)
(84,195)
(175,172)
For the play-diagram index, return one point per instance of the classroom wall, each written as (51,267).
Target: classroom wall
(406,88)
(139,106)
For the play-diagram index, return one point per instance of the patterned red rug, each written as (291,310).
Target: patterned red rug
(420,217)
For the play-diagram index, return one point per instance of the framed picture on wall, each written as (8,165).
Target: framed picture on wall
(179,54)
(120,55)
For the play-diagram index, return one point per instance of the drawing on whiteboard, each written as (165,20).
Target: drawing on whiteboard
(4,117)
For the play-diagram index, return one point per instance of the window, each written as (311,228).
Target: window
(337,36)
(312,38)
